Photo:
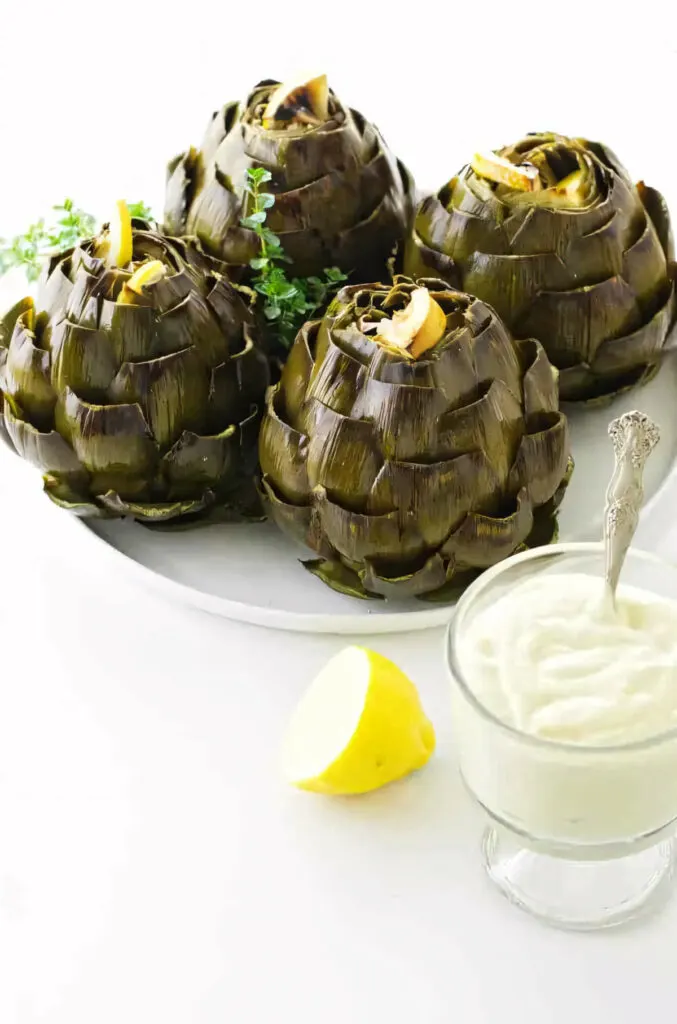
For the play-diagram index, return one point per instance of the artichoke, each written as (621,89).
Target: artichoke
(411,443)
(136,388)
(341,197)
(554,235)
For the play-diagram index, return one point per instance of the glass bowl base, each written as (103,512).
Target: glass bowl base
(580,895)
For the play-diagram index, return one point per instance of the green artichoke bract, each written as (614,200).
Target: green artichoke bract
(572,254)
(135,389)
(410,469)
(341,197)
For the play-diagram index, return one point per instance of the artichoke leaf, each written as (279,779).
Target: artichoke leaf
(576,321)
(154,512)
(184,179)
(370,241)
(540,380)
(644,345)
(581,384)
(542,457)
(340,578)
(406,418)
(283,453)
(438,494)
(171,390)
(199,462)
(192,323)
(62,492)
(251,368)
(644,267)
(481,540)
(82,359)
(510,284)
(236,511)
(8,322)
(449,592)
(227,305)
(431,576)
(298,369)
(26,374)
(130,331)
(107,439)
(83,302)
(48,451)
(357,536)
(301,522)
(54,288)
(342,457)
(491,421)
(215,211)
(655,205)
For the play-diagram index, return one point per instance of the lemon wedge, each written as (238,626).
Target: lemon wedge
(522,177)
(306,100)
(120,244)
(148,273)
(416,328)
(359,726)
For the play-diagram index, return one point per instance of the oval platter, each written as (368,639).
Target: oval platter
(252,573)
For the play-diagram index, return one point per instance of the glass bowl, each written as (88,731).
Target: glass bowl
(580,836)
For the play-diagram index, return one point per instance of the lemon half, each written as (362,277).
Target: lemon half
(359,726)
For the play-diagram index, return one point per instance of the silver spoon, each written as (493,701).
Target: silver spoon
(634,437)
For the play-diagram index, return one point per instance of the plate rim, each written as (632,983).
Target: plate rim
(431,617)
(288,621)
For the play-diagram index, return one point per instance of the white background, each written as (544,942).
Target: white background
(153,867)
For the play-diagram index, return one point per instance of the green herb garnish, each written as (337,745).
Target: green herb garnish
(72,224)
(287,303)
(140,210)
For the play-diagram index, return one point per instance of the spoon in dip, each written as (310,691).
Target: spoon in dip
(634,436)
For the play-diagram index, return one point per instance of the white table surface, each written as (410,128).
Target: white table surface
(153,867)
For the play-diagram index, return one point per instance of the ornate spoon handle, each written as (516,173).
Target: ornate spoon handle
(634,437)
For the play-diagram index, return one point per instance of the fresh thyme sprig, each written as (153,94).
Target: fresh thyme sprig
(72,224)
(287,303)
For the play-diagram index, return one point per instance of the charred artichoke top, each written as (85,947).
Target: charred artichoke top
(135,388)
(341,197)
(555,236)
(412,446)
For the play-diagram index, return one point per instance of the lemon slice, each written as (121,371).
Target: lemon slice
(359,726)
(522,177)
(148,273)
(120,236)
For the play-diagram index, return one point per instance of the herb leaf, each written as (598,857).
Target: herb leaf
(70,225)
(287,304)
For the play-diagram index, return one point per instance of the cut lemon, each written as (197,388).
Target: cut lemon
(148,273)
(310,95)
(416,328)
(359,726)
(120,236)
(522,177)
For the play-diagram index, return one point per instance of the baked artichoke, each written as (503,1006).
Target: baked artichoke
(341,197)
(411,442)
(137,386)
(554,235)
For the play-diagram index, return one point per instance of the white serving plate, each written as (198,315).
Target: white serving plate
(252,573)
